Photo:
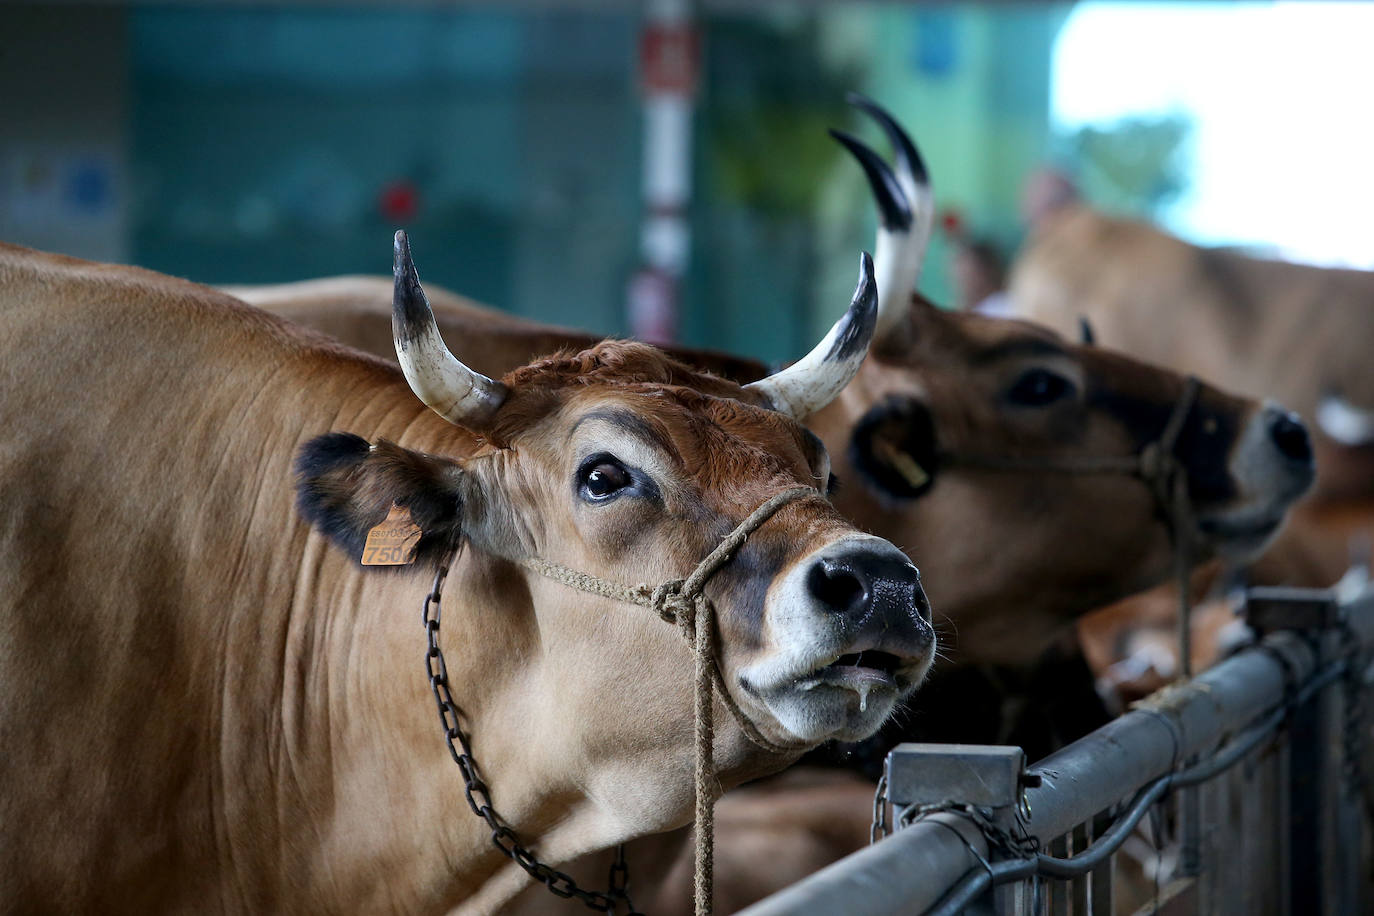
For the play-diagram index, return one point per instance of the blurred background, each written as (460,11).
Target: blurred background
(664,168)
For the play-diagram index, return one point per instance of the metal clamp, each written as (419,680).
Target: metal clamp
(984,776)
(1270,608)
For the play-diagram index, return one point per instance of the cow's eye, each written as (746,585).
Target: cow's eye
(1039,387)
(603,477)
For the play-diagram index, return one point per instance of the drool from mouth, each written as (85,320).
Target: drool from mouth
(861,672)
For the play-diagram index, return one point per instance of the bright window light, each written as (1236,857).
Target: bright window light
(1282,151)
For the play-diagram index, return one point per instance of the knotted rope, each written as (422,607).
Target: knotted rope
(683,602)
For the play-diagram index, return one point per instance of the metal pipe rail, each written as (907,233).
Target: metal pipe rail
(912,870)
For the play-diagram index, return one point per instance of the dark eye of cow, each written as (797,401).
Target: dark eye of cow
(1038,388)
(602,477)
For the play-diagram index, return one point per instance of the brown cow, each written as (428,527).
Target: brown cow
(942,388)
(1265,328)
(211,707)
(939,386)
(1054,545)
(1032,549)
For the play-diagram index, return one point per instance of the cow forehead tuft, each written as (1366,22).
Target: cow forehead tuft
(613,364)
(685,416)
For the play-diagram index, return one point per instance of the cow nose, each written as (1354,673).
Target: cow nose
(853,585)
(1289,436)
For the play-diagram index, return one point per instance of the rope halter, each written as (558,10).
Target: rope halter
(1157,465)
(683,602)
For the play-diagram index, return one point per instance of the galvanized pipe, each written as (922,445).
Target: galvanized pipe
(913,869)
(906,873)
(1163,731)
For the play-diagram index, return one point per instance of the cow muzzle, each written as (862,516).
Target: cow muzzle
(1272,466)
(850,632)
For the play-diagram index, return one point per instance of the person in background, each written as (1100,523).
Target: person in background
(978,271)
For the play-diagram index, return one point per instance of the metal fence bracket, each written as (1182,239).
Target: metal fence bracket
(985,776)
(1271,608)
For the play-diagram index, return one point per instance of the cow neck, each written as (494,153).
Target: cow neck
(1157,466)
(681,602)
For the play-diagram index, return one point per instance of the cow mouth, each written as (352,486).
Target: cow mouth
(869,668)
(1241,530)
(1241,535)
(842,696)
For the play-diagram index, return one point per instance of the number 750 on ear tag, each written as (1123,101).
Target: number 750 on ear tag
(392,542)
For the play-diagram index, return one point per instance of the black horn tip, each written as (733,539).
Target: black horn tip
(866,296)
(402,263)
(410,306)
(1085,331)
(856,328)
(893,207)
(903,147)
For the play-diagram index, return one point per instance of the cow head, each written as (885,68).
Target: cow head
(943,393)
(627,465)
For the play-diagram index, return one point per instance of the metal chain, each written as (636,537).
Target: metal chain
(999,838)
(478,795)
(880,827)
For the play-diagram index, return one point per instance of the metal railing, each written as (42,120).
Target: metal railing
(1248,777)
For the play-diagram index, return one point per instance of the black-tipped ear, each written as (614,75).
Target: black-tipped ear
(894,449)
(345,487)
(1085,332)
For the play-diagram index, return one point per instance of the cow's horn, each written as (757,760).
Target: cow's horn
(451,389)
(907,211)
(1344,422)
(894,211)
(818,377)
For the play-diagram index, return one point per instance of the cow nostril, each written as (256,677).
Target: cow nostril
(836,586)
(1290,437)
(923,607)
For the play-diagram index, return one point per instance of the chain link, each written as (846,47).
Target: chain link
(880,827)
(1000,839)
(478,795)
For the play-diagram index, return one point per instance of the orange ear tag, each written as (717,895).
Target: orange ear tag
(391,542)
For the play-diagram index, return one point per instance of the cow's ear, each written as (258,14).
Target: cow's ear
(894,449)
(346,487)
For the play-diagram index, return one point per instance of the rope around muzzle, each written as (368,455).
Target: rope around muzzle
(683,602)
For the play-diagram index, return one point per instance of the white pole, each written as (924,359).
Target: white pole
(668,75)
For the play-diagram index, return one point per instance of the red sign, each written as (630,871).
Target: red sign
(398,201)
(669,59)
